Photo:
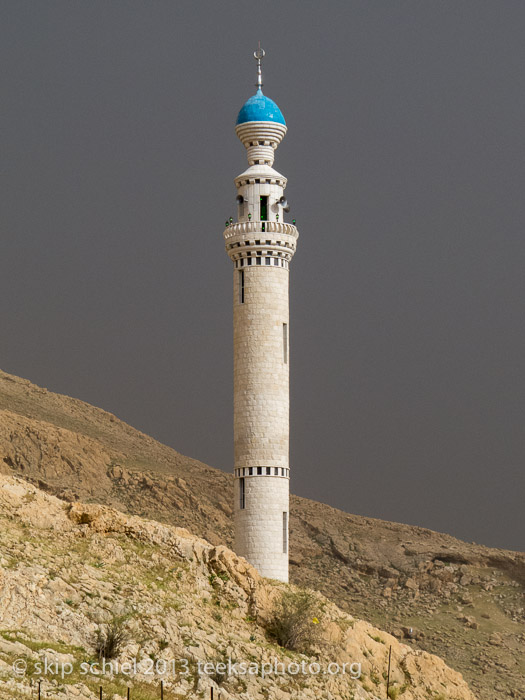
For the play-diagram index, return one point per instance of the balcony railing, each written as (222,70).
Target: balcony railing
(243,227)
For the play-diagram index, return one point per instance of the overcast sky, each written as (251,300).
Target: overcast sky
(406,170)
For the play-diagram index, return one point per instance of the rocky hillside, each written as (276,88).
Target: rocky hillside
(68,570)
(461,601)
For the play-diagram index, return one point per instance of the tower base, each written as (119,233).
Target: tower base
(261,526)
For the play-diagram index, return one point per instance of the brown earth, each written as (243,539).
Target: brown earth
(463,602)
(67,570)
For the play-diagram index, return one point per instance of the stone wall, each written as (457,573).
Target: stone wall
(261,416)
(261,374)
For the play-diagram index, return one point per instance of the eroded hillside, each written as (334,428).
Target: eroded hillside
(68,569)
(461,601)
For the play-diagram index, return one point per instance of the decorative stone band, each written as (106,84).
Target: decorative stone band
(260,140)
(244,180)
(263,471)
(268,260)
(255,253)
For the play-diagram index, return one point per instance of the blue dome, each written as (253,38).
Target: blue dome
(260,108)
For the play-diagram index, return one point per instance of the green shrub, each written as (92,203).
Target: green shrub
(293,622)
(110,639)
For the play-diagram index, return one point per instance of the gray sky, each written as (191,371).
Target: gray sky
(406,169)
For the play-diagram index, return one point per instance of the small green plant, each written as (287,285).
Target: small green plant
(393,693)
(374,678)
(293,622)
(345,625)
(110,639)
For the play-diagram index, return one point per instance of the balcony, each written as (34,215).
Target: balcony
(243,228)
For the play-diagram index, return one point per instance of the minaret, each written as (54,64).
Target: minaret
(261,246)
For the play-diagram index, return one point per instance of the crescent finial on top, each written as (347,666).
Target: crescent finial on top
(259,55)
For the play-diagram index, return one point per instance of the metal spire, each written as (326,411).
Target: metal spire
(259,55)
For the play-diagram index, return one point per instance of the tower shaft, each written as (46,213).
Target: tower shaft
(261,251)
(261,418)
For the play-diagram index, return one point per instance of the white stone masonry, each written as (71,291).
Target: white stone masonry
(261,246)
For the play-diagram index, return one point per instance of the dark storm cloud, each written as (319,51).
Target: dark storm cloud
(406,169)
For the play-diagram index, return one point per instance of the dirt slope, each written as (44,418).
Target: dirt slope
(461,601)
(66,570)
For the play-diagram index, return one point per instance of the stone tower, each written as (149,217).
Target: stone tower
(261,246)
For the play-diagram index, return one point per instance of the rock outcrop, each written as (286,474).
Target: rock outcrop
(67,570)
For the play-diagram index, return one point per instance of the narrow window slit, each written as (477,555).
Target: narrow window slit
(285,533)
(242,493)
(241,286)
